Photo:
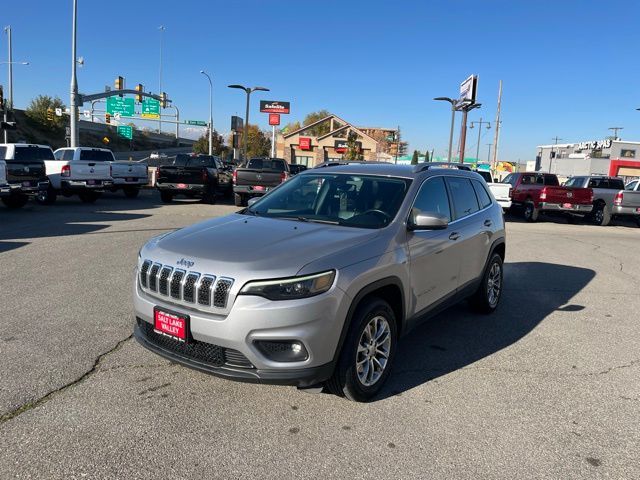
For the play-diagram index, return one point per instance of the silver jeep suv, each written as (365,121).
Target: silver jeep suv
(315,282)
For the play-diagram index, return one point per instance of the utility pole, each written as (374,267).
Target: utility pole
(497,134)
(9,105)
(551,155)
(74,81)
(161,28)
(489,152)
(615,129)
(480,123)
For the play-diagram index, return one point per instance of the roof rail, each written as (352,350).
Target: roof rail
(421,167)
(334,163)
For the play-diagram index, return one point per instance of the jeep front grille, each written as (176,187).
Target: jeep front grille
(180,286)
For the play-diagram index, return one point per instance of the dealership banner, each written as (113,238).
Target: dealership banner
(274,119)
(272,106)
(304,143)
(341,146)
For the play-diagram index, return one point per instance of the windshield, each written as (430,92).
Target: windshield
(96,155)
(351,200)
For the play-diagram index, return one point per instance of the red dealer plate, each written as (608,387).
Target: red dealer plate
(567,205)
(258,188)
(171,324)
(182,185)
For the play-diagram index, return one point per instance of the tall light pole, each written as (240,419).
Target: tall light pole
(161,28)
(210,111)
(245,134)
(615,131)
(74,80)
(489,153)
(480,123)
(466,108)
(454,104)
(9,63)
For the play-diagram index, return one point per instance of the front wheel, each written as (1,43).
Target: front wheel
(487,297)
(531,213)
(368,352)
(601,216)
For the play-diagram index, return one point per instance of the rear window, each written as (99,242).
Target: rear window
(486,176)
(181,160)
(267,164)
(483,196)
(28,154)
(96,155)
(551,180)
(202,161)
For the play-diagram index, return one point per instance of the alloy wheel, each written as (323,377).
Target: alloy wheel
(494,284)
(372,355)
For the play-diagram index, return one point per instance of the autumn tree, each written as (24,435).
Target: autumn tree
(353,150)
(202,144)
(37,111)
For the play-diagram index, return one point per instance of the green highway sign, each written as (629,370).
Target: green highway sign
(150,108)
(125,131)
(196,122)
(123,106)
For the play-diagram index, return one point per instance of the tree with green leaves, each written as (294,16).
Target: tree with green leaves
(37,111)
(312,117)
(426,156)
(202,144)
(414,159)
(258,142)
(353,150)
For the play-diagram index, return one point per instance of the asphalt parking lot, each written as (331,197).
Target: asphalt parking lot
(547,387)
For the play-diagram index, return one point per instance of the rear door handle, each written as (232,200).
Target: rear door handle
(454,236)
(487,223)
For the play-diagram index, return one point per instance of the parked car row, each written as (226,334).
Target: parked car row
(597,198)
(30,170)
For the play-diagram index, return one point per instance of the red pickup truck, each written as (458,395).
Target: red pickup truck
(538,193)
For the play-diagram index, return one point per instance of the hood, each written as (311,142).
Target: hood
(240,245)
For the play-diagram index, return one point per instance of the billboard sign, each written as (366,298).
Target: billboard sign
(274,119)
(468,89)
(272,106)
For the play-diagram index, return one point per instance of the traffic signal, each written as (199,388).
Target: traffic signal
(119,83)
(1,98)
(163,100)
(50,114)
(139,88)
(107,118)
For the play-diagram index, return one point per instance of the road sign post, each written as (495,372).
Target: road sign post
(200,123)
(150,108)
(125,131)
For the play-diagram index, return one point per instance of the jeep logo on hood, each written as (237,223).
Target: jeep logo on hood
(185,263)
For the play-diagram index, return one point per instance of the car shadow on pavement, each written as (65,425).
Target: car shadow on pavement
(458,337)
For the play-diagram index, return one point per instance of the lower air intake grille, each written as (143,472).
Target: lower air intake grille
(208,353)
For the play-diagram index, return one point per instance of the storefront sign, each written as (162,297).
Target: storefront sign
(304,143)
(468,89)
(272,106)
(593,145)
(341,146)
(274,119)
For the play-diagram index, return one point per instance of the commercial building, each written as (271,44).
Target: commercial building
(326,139)
(614,157)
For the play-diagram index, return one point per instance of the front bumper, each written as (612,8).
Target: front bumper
(5,190)
(562,207)
(315,322)
(620,210)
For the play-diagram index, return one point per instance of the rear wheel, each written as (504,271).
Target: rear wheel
(238,199)
(166,197)
(531,213)
(89,197)
(47,197)
(487,297)
(15,201)
(210,195)
(368,352)
(131,192)
(601,215)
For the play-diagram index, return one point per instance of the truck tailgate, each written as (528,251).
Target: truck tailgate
(263,178)
(576,196)
(178,174)
(25,171)
(128,170)
(500,190)
(630,199)
(87,170)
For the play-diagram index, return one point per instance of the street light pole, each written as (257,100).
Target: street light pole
(480,123)
(463,133)
(7,29)
(161,28)
(453,120)
(489,153)
(245,134)
(210,111)
(74,80)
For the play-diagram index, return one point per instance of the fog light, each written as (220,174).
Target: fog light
(282,350)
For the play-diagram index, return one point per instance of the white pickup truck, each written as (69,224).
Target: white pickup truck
(501,191)
(76,171)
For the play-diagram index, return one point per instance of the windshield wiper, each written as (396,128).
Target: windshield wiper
(306,219)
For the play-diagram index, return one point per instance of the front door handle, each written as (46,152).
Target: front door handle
(454,236)
(487,223)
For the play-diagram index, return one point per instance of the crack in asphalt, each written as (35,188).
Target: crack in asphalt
(25,407)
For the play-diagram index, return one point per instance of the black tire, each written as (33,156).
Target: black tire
(531,213)
(346,380)
(601,215)
(482,301)
(238,199)
(210,196)
(89,197)
(47,197)
(166,197)
(228,192)
(15,201)
(131,192)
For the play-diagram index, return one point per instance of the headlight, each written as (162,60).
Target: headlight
(291,288)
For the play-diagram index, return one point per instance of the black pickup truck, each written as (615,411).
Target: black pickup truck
(257,177)
(194,176)
(26,173)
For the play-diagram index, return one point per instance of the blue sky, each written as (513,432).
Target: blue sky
(570,68)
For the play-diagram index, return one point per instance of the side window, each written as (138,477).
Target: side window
(483,197)
(551,180)
(540,180)
(631,186)
(433,197)
(463,197)
(616,184)
(67,155)
(3,152)
(58,154)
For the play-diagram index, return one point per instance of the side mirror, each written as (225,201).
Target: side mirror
(427,221)
(252,200)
